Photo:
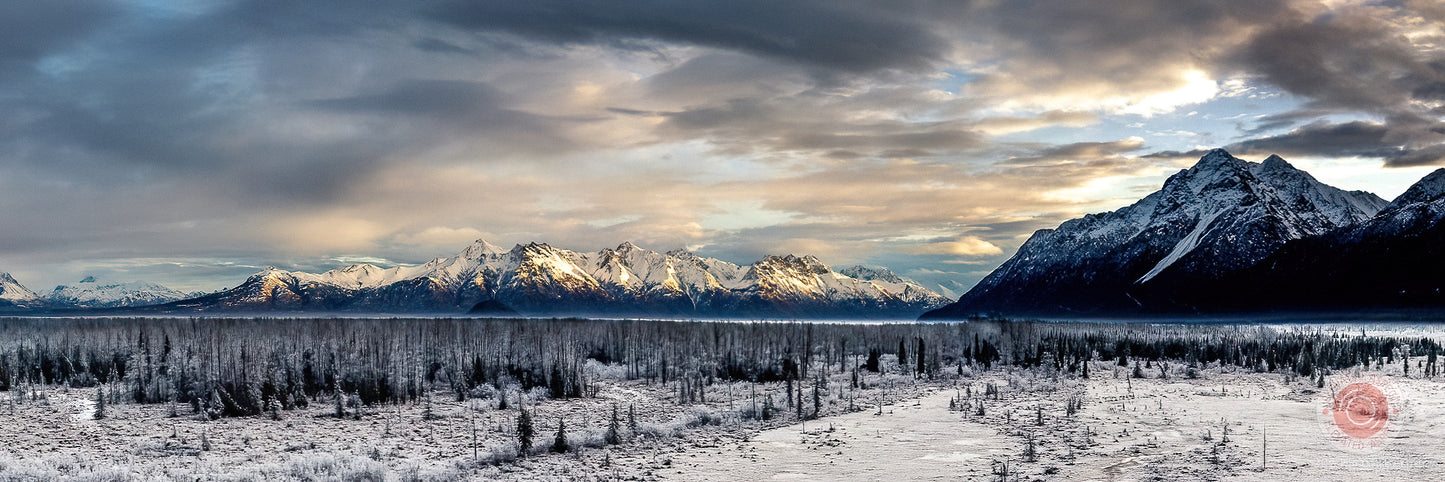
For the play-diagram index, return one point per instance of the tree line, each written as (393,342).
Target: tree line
(246,367)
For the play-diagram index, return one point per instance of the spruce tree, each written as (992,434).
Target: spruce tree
(902,354)
(99,403)
(919,355)
(632,420)
(613,427)
(559,385)
(524,432)
(559,445)
(817,399)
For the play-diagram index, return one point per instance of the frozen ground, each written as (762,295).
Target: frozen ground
(1124,428)
(1128,429)
(52,434)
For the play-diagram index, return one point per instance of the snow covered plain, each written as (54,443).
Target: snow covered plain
(1211,426)
(1128,429)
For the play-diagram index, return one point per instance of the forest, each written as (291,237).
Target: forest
(217,368)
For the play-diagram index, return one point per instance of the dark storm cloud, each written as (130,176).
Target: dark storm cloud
(1351,61)
(1359,138)
(1356,60)
(849,36)
(1401,140)
(1429,156)
(1118,41)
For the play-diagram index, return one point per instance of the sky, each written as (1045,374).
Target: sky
(193,143)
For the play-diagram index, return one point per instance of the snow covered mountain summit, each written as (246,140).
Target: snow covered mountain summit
(627,280)
(14,295)
(89,293)
(1220,216)
(1393,263)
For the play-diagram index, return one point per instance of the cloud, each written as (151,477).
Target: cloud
(252,133)
(1142,57)
(441,235)
(1399,142)
(30,32)
(965,246)
(1012,124)
(1356,58)
(1094,152)
(1358,138)
(1380,59)
(846,36)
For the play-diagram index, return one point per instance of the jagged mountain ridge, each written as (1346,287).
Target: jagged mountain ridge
(540,279)
(1216,218)
(1393,262)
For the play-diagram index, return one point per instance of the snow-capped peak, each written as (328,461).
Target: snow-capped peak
(1427,189)
(13,292)
(482,248)
(537,277)
(356,276)
(1220,215)
(1216,163)
(1275,163)
(870,273)
(90,293)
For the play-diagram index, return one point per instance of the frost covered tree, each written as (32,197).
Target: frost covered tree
(99,404)
(559,444)
(613,427)
(632,420)
(524,432)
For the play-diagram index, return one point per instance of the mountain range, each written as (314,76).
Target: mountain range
(1229,236)
(1226,236)
(538,279)
(86,294)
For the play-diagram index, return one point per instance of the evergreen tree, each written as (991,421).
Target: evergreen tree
(632,420)
(99,404)
(612,436)
(558,386)
(341,401)
(524,432)
(817,398)
(559,445)
(919,355)
(902,353)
